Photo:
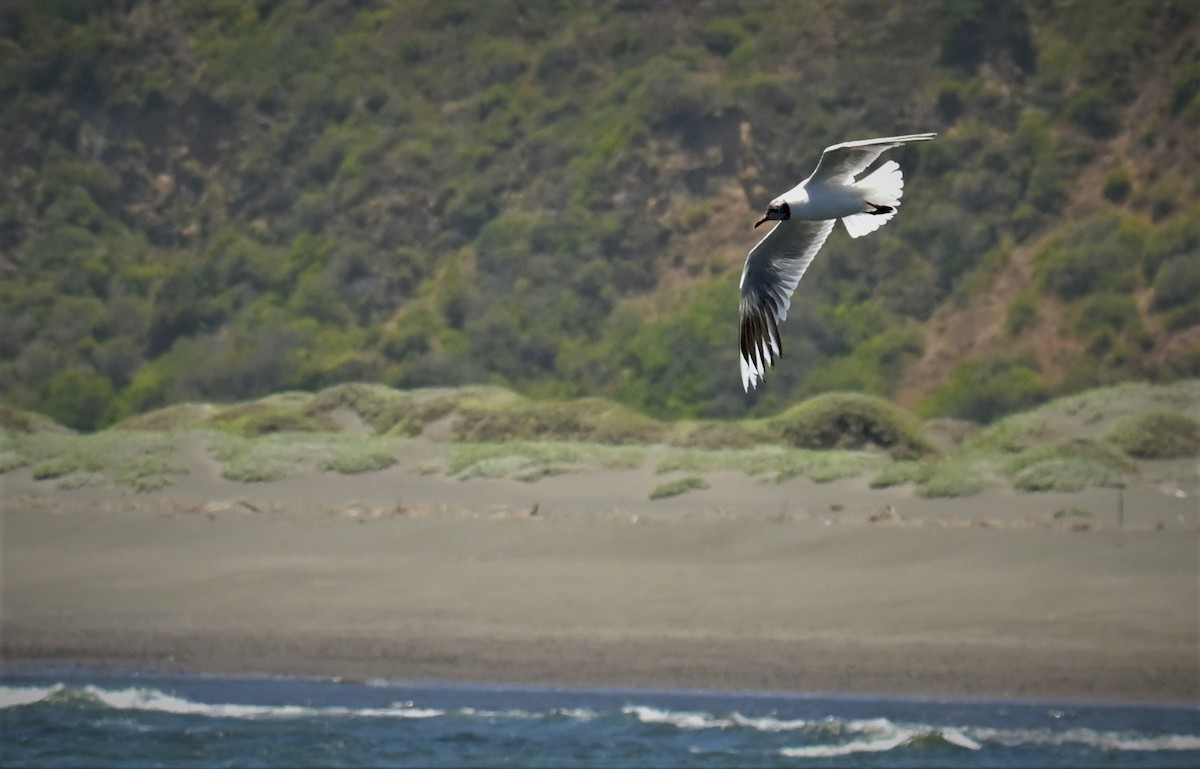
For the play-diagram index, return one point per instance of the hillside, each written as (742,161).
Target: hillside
(215,201)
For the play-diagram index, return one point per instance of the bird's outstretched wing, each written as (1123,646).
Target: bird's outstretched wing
(773,269)
(849,159)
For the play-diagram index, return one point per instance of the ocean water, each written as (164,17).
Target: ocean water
(78,718)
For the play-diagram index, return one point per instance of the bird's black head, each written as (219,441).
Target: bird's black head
(776,212)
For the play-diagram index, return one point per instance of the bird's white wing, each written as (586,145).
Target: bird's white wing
(849,159)
(773,269)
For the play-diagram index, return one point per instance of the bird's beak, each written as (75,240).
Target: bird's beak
(760,221)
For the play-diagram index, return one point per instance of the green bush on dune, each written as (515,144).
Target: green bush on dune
(677,487)
(273,414)
(1085,440)
(588,419)
(359,457)
(1070,465)
(1157,435)
(848,420)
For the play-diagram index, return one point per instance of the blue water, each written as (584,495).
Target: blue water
(75,718)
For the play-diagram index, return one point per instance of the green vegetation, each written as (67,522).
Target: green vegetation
(983,390)
(1097,438)
(1157,435)
(842,420)
(528,461)
(1068,466)
(140,460)
(951,481)
(359,457)
(899,473)
(677,487)
(210,202)
(773,462)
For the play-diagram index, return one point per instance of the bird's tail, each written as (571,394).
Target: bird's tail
(882,190)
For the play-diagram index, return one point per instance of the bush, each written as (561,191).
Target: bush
(1022,313)
(720,435)
(1095,110)
(79,399)
(1177,282)
(264,417)
(1157,435)
(899,473)
(386,410)
(958,482)
(18,421)
(1176,238)
(847,420)
(1068,466)
(1097,253)
(982,391)
(1117,185)
(588,419)
(675,488)
(355,458)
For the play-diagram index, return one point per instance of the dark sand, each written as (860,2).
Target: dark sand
(745,585)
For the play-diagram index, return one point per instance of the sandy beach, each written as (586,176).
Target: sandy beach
(581,579)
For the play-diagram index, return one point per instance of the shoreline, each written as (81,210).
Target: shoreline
(959,680)
(20,670)
(845,591)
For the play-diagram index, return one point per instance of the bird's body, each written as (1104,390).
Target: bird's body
(805,216)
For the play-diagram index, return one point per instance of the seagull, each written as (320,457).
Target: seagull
(806,215)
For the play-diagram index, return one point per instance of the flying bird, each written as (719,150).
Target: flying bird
(806,215)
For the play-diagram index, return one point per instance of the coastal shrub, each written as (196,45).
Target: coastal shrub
(900,473)
(1097,253)
(714,434)
(677,487)
(18,421)
(359,457)
(984,390)
(10,460)
(1157,434)
(1068,466)
(1177,238)
(409,412)
(263,458)
(181,416)
(587,419)
(849,420)
(1096,111)
(79,399)
(468,460)
(952,482)
(151,470)
(1177,282)
(1022,313)
(947,434)
(1117,185)
(276,414)
(873,366)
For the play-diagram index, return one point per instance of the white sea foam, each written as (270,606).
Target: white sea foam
(682,719)
(846,749)
(768,724)
(958,737)
(1089,737)
(159,701)
(510,714)
(881,735)
(14,696)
